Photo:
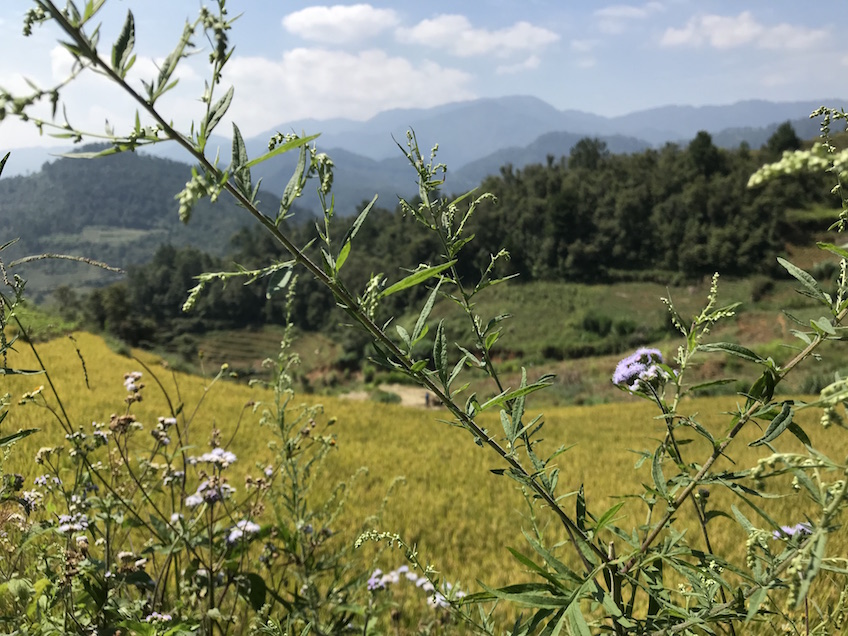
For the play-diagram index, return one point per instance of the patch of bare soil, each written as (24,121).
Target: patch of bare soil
(409,395)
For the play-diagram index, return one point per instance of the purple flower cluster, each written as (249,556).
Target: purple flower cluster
(209,491)
(787,532)
(639,369)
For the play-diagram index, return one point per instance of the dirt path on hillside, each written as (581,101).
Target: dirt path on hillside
(409,395)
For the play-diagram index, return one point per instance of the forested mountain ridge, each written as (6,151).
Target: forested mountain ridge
(664,216)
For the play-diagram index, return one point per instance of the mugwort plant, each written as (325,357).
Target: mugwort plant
(588,571)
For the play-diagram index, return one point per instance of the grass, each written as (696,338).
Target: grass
(460,515)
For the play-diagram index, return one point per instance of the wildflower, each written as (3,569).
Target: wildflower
(156,617)
(31,500)
(209,491)
(787,532)
(241,528)
(131,381)
(640,369)
(76,522)
(217,456)
(376,581)
(176,518)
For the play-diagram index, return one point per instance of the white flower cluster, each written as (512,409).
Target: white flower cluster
(242,528)
(435,598)
(817,159)
(217,456)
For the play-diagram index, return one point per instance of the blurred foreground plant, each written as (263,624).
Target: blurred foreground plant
(651,577)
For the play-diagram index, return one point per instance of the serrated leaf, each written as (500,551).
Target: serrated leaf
(777,426)
(241,173)
(440,353)
(732,349)
(404,335)
(217,112)
(507,425)
(416,278)
(122,49)
(809,283)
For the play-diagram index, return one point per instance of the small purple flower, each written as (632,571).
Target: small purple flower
(787,532)
(76,522)
(376,581)
(640,368)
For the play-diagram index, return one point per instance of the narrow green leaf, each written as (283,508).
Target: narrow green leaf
(806,280)
(360,219)
(342,257)
(657,474)
(123,46)
(290,145)
(418,330)
(3,161)
(14,437)
(294,188)
(754,603)
(416,278)
(607,517)
(577,624)
(812,568)
(7,371)
(732,349)
(798,432)
(822,325)
(491,339)
(217,112)
(580,509)
(777,426)
(541,383)
(841,252)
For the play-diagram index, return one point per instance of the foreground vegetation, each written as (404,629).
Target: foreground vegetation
(140,525)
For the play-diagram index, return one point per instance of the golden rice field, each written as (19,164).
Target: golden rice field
(461,516)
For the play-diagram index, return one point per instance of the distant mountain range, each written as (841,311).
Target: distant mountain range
(478,137)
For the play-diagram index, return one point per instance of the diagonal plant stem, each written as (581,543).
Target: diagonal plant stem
(719,449)
(345,300)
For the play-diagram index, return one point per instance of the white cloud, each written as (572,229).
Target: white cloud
(584,46)
(529,64)
(615,18)
(727,32)
(321,83)
(339,24)
(454,33)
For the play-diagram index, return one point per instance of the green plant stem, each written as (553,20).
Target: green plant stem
(346,301)
(719,449)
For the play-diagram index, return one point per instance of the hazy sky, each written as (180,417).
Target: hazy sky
(298,59)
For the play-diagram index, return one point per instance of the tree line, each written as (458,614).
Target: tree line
(666,215)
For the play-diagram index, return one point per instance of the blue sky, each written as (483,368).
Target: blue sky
(299,59)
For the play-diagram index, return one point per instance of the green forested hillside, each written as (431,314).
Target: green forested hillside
(115,209)
(593,218)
